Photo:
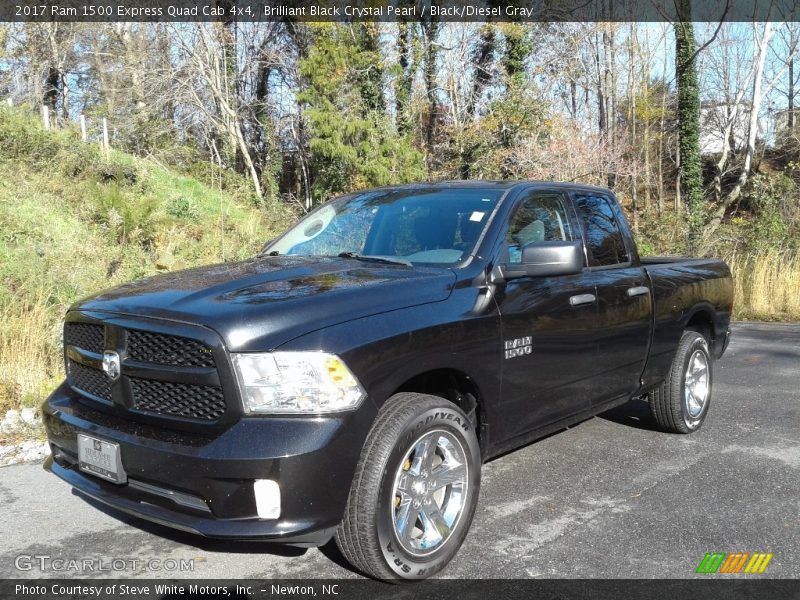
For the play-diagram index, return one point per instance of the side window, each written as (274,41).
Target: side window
(541,217)
(604,242)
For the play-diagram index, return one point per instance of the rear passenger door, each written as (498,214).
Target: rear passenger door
(624,305)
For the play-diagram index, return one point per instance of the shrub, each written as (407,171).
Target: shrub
(772,198)
(183,208)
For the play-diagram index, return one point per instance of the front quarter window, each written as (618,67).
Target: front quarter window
(436,225)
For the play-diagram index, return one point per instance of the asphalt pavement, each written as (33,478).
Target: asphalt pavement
(608,498)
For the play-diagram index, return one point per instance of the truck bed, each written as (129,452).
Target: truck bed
(677,282)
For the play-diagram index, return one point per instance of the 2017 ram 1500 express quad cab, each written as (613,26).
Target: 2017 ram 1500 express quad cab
(350,380)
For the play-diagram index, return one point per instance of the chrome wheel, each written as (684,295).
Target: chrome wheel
(696,384)
(430,489)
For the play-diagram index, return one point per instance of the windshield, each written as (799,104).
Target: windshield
(431,225)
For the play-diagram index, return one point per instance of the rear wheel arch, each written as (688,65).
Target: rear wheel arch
(702,321)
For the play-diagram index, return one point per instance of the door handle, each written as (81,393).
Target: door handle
(582,299)
(638,291)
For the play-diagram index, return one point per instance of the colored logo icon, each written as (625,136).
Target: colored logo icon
(734,562)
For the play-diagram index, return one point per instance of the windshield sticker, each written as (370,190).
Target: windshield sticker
(476,216)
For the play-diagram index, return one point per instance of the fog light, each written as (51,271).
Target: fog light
(268,498)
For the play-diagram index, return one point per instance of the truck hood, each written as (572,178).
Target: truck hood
(259,304)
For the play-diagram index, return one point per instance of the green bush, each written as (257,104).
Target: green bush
(184,208)
(770,198)
(21,136)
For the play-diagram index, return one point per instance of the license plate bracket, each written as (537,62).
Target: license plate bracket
(101,459)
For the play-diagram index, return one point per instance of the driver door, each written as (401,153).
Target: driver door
(549,324)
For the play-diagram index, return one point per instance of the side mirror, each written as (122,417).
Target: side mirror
(545,259)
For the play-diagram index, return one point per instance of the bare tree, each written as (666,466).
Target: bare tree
(204,81)
(762,34)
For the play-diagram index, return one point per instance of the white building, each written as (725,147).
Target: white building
(714,117)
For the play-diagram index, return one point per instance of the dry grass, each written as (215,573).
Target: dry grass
(767,285)
(30,339)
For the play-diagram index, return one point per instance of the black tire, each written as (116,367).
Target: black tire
(367,535)
(669,404)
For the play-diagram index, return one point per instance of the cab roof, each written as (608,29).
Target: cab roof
(495,184)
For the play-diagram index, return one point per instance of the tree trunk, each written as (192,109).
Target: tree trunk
(431,29)
(790,92)
(727,137)
(52,86)
(646,123)
(632,119)
(371,80)
(55,77)
(482,62)
(690,170)
(662,115)
(602,123)
(247,159)
(611,77)
(406,78)
(755,106)
(573,96)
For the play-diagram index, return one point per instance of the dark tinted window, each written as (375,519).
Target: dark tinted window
(541,217)
(604,241)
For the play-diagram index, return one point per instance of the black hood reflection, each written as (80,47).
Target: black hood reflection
(290,289)
(263,302)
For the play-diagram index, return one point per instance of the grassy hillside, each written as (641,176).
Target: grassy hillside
(73,221)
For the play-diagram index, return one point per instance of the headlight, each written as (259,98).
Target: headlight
(296,382)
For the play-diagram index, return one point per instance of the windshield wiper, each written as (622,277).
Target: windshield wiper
(378,259)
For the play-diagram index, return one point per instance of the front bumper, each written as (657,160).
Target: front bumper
(203,483)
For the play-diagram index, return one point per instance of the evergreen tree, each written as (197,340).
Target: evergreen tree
(353,144)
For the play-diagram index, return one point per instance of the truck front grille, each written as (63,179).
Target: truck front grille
(85,335)
(151,347)
(178,399)
(90,380)
(162,374)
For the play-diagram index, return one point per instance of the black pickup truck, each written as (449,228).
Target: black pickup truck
(350,380)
